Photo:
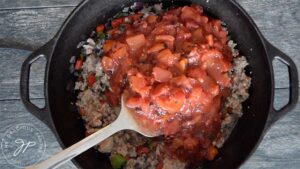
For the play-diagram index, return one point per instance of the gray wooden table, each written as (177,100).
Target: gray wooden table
(28,24)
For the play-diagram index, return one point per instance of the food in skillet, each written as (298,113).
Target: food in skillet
(182,77)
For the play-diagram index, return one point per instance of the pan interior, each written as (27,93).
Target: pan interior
(61,97)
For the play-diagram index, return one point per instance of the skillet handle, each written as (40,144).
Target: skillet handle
(275,53)
(41,113)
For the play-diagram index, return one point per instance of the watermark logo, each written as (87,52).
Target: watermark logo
(23,145)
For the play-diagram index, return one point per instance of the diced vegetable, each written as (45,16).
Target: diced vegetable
(160,89)
(119,54)
(117,161)
(91,80)
(108,64)
(168,39)
(161,75)
(151,18)
(108,45)
(167,58)
(156,48)
(173,103)
(117,22)
(78,64)
(212,152)
(136,42)
(139,85)
(142,150)
(100,28)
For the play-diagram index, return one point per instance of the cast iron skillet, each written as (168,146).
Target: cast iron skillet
(62,117)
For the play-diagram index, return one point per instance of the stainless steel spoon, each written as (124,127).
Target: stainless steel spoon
(124,121)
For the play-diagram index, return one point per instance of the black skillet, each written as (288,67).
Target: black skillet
(62,117)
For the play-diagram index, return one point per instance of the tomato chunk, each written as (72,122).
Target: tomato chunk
(100,28)
(108,64)
(156,48)
(160,89)
(167,58)
(161,75)
(108,45)
(91,79)
(174,102)
(136,42)
(168,39)
(139,84)
(78,64)
(117,22)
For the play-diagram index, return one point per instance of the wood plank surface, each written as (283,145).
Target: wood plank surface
(30,28)
(279,22)
(21,4)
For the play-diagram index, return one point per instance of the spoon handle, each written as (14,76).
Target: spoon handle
(79,147)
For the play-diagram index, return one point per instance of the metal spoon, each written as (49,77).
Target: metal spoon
(124,121)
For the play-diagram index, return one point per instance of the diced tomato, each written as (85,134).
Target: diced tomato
(188,13)
(100,28)
(161,75)
(183,34)
(198,96)
(173,103)
(108,64)
(210,40)
(209,85)
(132,72)
(165,38)
(182,81)
(108,45)
(151,18)
(168,39)
(211,152)
(211,54)
(117,22)
(139,84)
(78,64)
(166,57)
(134,102)
(142,150)
(159,90)
(219,64)
(221,78)
(91,79)
(197,73)
(191,25)
(136,42)
(119,53)
(156,48)
(198,35)
(137,102)
(112,32)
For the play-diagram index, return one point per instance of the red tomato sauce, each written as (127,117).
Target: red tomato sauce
(174,68)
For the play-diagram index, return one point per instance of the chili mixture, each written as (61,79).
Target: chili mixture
(174,69)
